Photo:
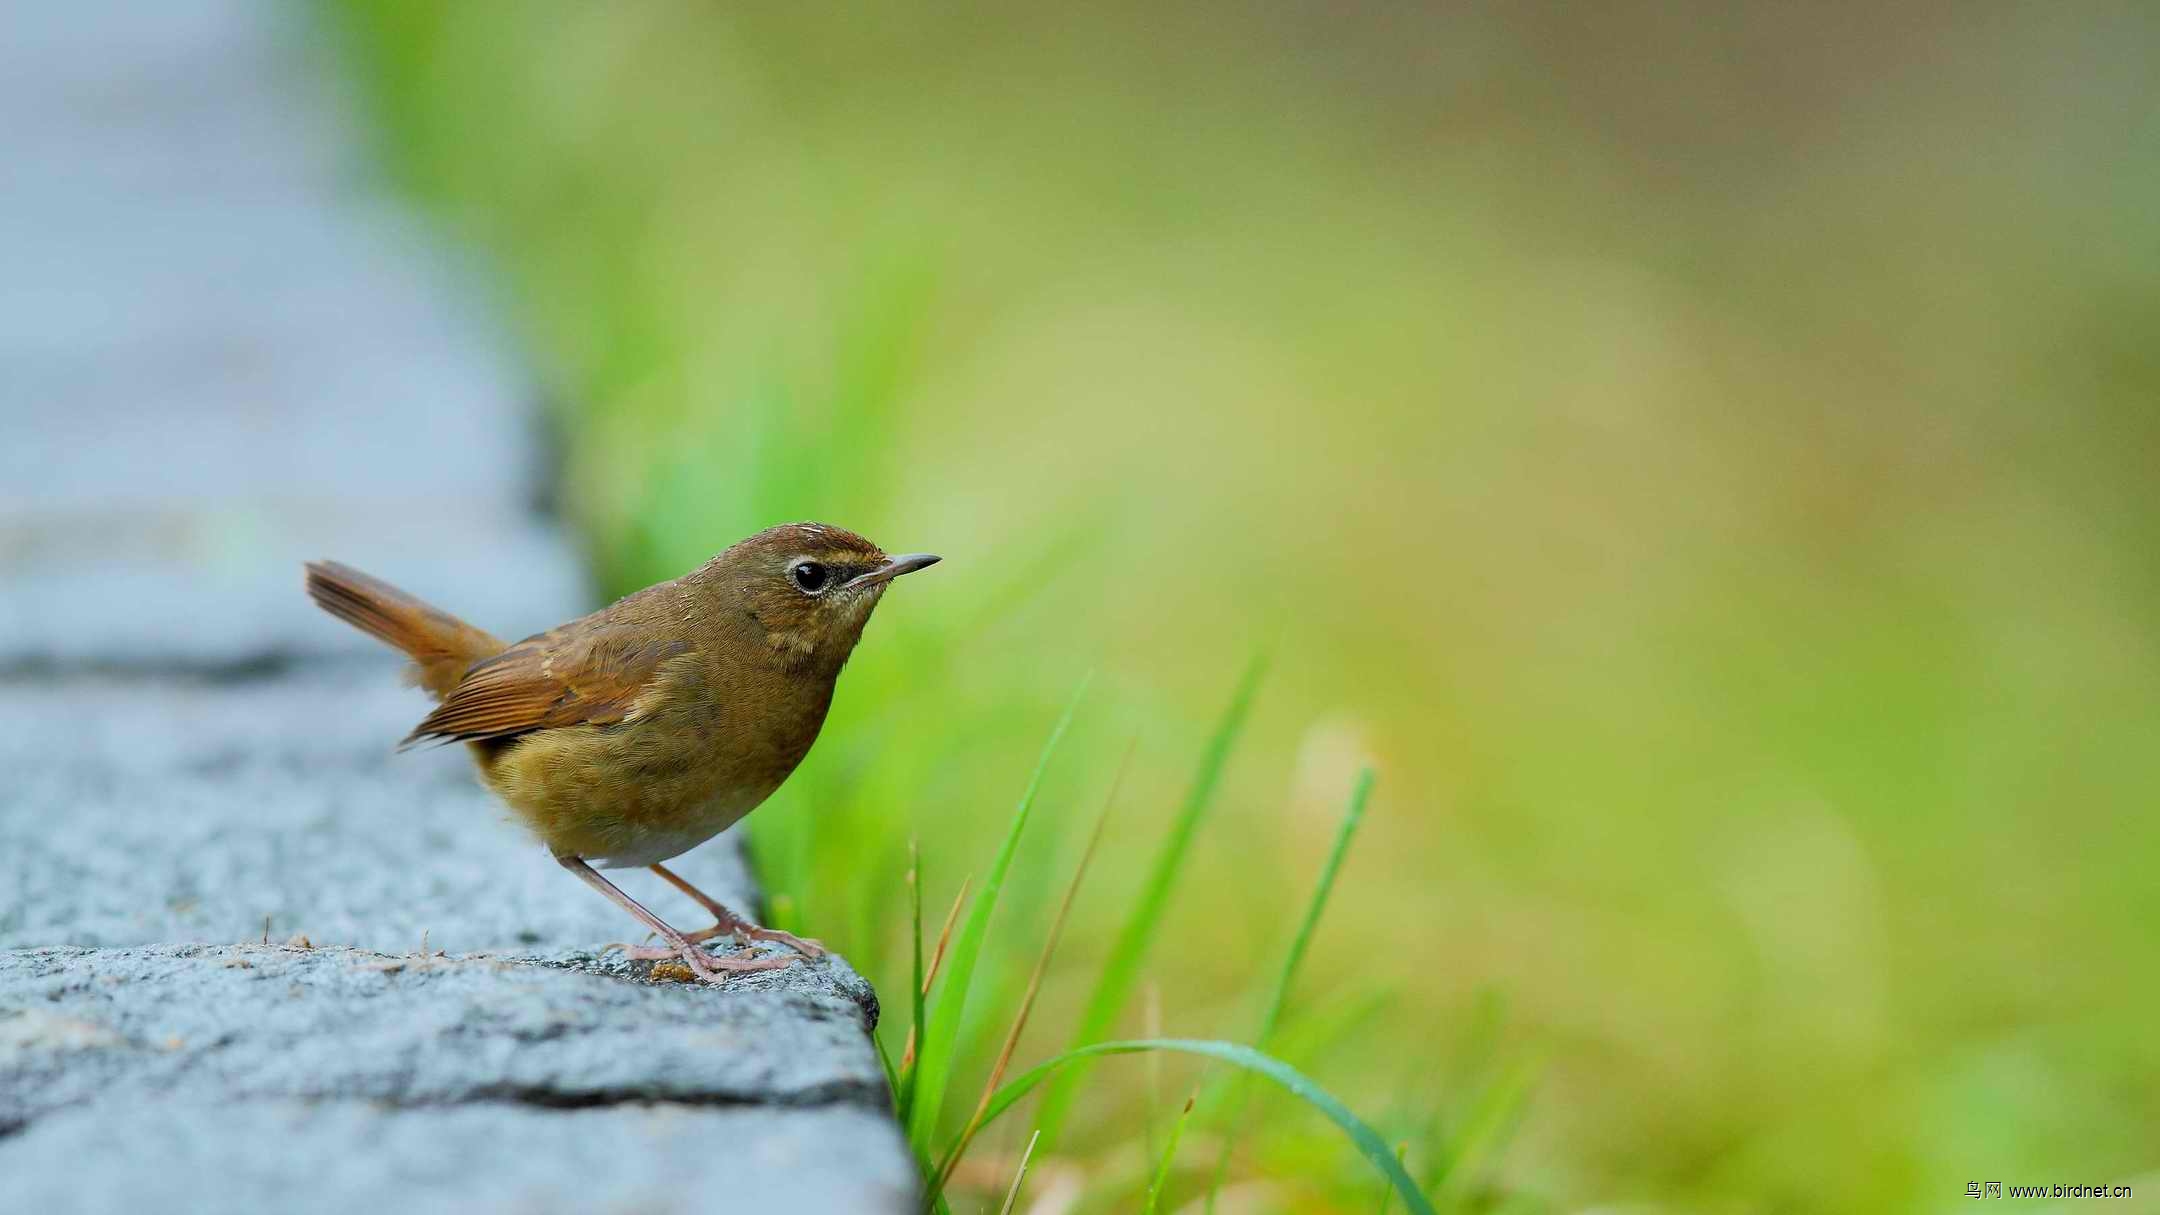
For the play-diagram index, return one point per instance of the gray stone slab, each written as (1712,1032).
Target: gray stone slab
(163,809)
(270,1022)
(326,1079)
(147,810)
(335,1158)
(228,352)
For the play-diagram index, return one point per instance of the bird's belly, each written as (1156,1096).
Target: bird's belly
(619,804)
(640,844)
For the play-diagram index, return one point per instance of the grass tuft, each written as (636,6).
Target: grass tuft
(1360,792)
(1122,970)
(934,1060)
(960,1144)
(1367,1141)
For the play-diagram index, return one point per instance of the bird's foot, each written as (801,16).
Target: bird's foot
(747,932)
(711,968)
(729,923)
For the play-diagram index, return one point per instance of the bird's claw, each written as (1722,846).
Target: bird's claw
(711,968)
(747,932)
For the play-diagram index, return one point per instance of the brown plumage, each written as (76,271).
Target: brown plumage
(636,733)
(440,645)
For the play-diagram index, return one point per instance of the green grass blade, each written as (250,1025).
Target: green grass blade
(892,1081)
(1359,793)
(892,1077)
(904,1091)
(1013,1195)
(1486,1128)
(1169,1157)
(934,1054)
(1367,1141)
(1122,971)
(1034,985)
(1388,1195)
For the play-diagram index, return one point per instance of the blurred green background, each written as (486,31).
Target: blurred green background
(1705,458)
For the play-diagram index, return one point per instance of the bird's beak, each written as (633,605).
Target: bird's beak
(906,563)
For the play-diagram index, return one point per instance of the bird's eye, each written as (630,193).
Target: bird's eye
(810,576)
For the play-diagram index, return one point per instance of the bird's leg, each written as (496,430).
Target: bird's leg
(731,924)
(704,965)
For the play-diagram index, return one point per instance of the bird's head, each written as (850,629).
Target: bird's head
(809,588)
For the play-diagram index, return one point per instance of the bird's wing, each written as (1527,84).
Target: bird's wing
(582,673)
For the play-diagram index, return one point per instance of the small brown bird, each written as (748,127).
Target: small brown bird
(641,731)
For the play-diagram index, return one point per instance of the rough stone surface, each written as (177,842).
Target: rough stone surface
(204,1024)
(348,1156)
(171,810)
(226,354)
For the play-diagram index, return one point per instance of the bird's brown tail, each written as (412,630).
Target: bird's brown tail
(440,645)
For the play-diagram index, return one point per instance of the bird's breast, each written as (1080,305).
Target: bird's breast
(655,786)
